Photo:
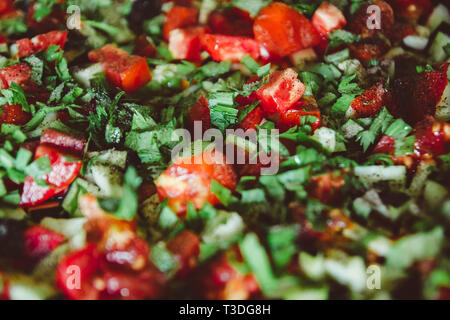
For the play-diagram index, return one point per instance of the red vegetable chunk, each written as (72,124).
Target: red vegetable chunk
(230,48)
(179,17)
(186,44)
(43,41)
(307,106)
(282,30)
(13,114)
(63,140)
(189,180)
(40,241)
(328,18)
(281,92)
(370,102)
(19,73)
(128,72)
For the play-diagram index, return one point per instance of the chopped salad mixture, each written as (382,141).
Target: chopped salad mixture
(349,199)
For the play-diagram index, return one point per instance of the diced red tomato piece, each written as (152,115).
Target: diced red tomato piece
(189,180)
(19,73)
(328,18)
(282,30)
(33,194)
(362,22)
(41,42)
(6,6)
(64,169)
(200,112)
(179,17)
(63,140)
(281,92)
(131,254)
(13,114)
(74,273)
(307,106)
(129,72)
(186,44)
(143,47)
(368,49)
(230,48)
(186,249)
(40,241)
(230,23)
(370,102)
(411,10)
(252,119)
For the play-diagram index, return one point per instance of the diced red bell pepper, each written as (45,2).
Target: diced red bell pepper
(307,106)
(64,169)
(41,42)
(327,18)
(252,119)
(186,44)
(128,72)
(230,48)
(411,10)
(229,23)
(179,17)
(189,180)
(281,92)
(186,249)
(40,241)
(13,114)
(143,47)
(282,30)
(64,141)
(200,112)
(370,102)
(74,273)
(6,6)
(19,73)
(363,22)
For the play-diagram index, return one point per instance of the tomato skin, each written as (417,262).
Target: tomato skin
(186,44)
(186,249)
(19,73)
(179,17)
(189,179)
(292,33)
(281,92)
(370,102)
(128,72)
(328,18)
(63,140)
(229,48)
(432,138)
(43,41)
(368,49)
(40,241)
(326,187)
(13,114)
(307,106)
